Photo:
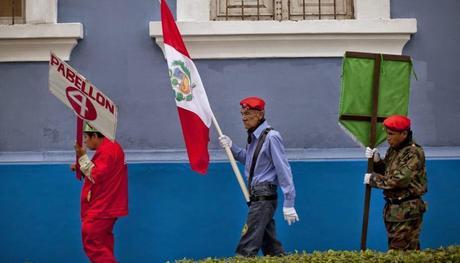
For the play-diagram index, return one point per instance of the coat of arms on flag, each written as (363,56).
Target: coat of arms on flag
(181,81)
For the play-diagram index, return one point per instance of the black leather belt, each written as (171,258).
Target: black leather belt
(263,198)
(394,201)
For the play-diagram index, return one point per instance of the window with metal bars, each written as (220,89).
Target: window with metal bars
(12,12)
(281,9)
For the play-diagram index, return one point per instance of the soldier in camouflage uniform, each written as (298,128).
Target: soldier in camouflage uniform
(402,177)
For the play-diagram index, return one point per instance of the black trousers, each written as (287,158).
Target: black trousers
(260,231)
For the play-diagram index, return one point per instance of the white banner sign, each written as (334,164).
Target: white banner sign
(82,97)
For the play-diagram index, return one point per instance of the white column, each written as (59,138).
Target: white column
(372,9)
(196,10)
(41,11)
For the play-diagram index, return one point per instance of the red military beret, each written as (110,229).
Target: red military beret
(254,103)
(397,123)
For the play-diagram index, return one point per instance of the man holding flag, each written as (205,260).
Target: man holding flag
(196,117)
(266,168)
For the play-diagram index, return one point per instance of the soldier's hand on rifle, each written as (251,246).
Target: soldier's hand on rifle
(225,141)
(290,215)
(372,153)
(367,178)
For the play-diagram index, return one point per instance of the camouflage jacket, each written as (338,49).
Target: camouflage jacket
(402,175)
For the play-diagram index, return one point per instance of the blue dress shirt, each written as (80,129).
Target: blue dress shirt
(272,165)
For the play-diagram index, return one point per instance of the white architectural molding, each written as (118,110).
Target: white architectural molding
(216,155)
(34,42)
(372,30)
(41,34)
(317,38)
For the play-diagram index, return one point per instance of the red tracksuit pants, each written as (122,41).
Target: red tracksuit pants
(98,239)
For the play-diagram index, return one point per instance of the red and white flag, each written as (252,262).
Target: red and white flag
(192,103)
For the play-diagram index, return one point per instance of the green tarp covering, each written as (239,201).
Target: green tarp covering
(356,94)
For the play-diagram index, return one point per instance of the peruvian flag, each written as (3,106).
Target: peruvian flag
(192,103)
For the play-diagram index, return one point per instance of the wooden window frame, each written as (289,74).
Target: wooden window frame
(280,10)
(8,20)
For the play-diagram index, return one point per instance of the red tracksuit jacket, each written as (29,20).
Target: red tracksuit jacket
(108,196)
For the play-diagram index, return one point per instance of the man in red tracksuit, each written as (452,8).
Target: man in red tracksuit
(104,196)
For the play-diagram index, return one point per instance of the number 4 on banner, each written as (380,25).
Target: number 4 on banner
(76,97)
(81,104)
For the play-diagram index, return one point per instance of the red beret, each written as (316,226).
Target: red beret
(254,103)
(397,123)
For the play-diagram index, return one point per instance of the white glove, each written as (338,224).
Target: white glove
(86,165)
(225,141)
(290,215)
(372,153)
(367,178)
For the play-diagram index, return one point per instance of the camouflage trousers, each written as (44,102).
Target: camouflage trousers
(404,235)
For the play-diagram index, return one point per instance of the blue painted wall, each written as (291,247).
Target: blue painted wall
(175,213)
(120,58)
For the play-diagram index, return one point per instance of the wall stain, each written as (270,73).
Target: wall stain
(51,134)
